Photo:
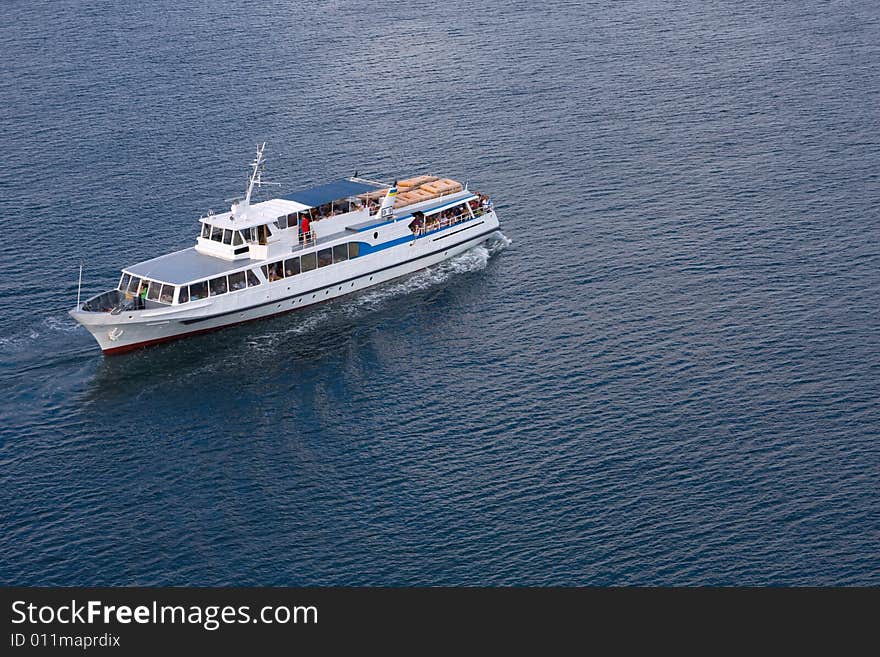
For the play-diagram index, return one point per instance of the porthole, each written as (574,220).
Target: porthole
(313,296)
(376,235)
(371,278)
(340,288)
(327,292)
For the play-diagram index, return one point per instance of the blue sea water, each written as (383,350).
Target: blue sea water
(665,371)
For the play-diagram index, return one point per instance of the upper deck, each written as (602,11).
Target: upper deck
(188,265)
(313,198)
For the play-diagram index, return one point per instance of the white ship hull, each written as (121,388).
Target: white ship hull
(127,330)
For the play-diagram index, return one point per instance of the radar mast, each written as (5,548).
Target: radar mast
(240,206)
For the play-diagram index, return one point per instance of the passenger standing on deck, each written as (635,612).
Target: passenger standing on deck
(305,228)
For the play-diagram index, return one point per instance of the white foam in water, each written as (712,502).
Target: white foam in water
(40,331)
(369,300)
(62,323)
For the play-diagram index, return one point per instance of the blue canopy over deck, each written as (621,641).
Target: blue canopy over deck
(332,191)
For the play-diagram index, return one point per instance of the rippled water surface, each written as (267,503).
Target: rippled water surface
(664,371)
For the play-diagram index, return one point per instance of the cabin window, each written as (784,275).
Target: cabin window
(325,257)
(134,284)
(216,234)
(167,294)
(340,252)
(206,231)
(249,235)
(237,281)
(263,234)
(227,236)
(183,295)
(292,220)
(123,282)
(153,293)
(308,262)
(217,286)
(281,222)
(198,290)
(236,238)
(252,278)
(273,271)
(291,267)
(354,249)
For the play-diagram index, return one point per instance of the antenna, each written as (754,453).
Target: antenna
(240,207)
(79,285)
(256,176)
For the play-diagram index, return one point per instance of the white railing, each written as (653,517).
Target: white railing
(436,223)
(304,240)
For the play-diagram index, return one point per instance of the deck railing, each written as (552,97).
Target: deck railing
(432,223)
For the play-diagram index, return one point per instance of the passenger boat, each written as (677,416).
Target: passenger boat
(267,258)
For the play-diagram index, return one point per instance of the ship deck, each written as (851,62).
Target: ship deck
(188,265)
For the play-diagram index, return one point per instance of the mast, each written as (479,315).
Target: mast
(240,207)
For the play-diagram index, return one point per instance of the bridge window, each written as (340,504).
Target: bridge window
(309,262)
(252,278)
(227,236)
(340,252)
(354,249)
(217,286)
(325,257)
(291,267)
(167,294)
(183,295)
(153,293)
(134,284)
(123,282)
(292,220)
(216,234)
(236,238)
(198,290)
(237,281)
(206,231)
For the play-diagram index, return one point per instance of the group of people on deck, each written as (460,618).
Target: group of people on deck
(481,204)
(315,214)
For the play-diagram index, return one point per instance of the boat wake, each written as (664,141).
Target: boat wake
(370,300)
(48,329)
